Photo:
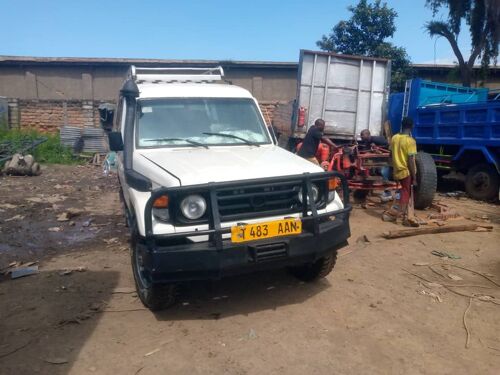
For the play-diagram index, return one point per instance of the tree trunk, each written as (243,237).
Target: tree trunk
(466,75)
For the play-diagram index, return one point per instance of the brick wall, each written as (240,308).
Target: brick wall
(277,113)
(49,115)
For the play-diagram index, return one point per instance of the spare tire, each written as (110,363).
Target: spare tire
(426,179)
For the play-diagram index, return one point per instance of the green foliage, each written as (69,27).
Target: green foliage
(365,34)
(51,151)
(483,20)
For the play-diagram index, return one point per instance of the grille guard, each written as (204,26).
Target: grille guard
(214,223)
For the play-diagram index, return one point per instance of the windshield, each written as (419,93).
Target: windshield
(199,122)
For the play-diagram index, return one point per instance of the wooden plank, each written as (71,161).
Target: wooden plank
(433,230)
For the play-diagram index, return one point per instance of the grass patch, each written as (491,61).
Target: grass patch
(51,151)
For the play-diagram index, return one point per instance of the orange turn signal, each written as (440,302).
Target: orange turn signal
(161,202)
(333,183)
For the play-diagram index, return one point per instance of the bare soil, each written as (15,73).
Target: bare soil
(368,316)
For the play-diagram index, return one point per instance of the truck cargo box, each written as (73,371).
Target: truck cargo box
(349,92)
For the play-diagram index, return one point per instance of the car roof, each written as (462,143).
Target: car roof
(191,90)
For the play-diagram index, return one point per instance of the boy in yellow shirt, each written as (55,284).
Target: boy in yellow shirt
(403,149)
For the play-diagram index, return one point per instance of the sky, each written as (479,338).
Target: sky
(255,30)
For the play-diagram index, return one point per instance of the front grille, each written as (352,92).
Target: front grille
(258,200)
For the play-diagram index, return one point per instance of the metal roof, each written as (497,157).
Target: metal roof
(446,66)
(19,60)
(111,61)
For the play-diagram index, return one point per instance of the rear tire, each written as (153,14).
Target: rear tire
(316,270)
(482,182)
(426,179)
(154,296)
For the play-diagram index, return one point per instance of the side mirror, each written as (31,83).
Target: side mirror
(115,141)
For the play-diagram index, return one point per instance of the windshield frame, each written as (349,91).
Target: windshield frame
(187,145)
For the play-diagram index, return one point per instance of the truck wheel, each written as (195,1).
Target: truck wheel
(482,182)
(316,270)
(154,296)
(426,179)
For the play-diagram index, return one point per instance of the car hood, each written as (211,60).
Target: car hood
(230,163)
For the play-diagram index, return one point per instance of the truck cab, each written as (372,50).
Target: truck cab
(206,191)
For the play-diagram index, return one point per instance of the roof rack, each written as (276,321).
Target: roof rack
(175,75)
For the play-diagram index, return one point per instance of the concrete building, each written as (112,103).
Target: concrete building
(45,93)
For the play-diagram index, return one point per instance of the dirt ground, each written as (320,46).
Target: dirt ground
(80,314)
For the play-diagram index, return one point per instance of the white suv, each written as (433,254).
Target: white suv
(208,193)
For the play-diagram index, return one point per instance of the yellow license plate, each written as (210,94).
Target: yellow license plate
(278,228)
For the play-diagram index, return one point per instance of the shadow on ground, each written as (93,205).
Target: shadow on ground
(241,295)
(45,319)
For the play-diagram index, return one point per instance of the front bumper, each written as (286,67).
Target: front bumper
(172,258)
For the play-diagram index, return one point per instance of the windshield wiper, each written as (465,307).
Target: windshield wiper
(234,137)
(194,143)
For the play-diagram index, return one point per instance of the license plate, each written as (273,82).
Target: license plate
(278,228)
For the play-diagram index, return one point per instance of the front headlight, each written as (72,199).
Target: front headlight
(193,206)
(333,183)
(315,191)
(160,208)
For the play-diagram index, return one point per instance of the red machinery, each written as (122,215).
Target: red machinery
(363,169)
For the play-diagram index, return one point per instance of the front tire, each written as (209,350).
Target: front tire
(316,270)
(482,182)
(154,296)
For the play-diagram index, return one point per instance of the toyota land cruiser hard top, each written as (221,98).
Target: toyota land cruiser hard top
(208,193)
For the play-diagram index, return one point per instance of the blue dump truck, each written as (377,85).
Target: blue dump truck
(458,126)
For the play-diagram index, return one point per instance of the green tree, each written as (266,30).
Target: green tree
(483,20)
(365,34)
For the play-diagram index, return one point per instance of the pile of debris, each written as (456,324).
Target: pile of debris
(17,160)
(22,165)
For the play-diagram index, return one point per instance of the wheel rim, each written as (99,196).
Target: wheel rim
(481,181)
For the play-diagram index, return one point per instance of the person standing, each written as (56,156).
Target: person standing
(311,141)
(403,149)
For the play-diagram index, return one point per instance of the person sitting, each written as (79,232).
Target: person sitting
(368,141)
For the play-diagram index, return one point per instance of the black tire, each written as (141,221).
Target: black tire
(482,182)
(317,270)
(426,179)
(154,296)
